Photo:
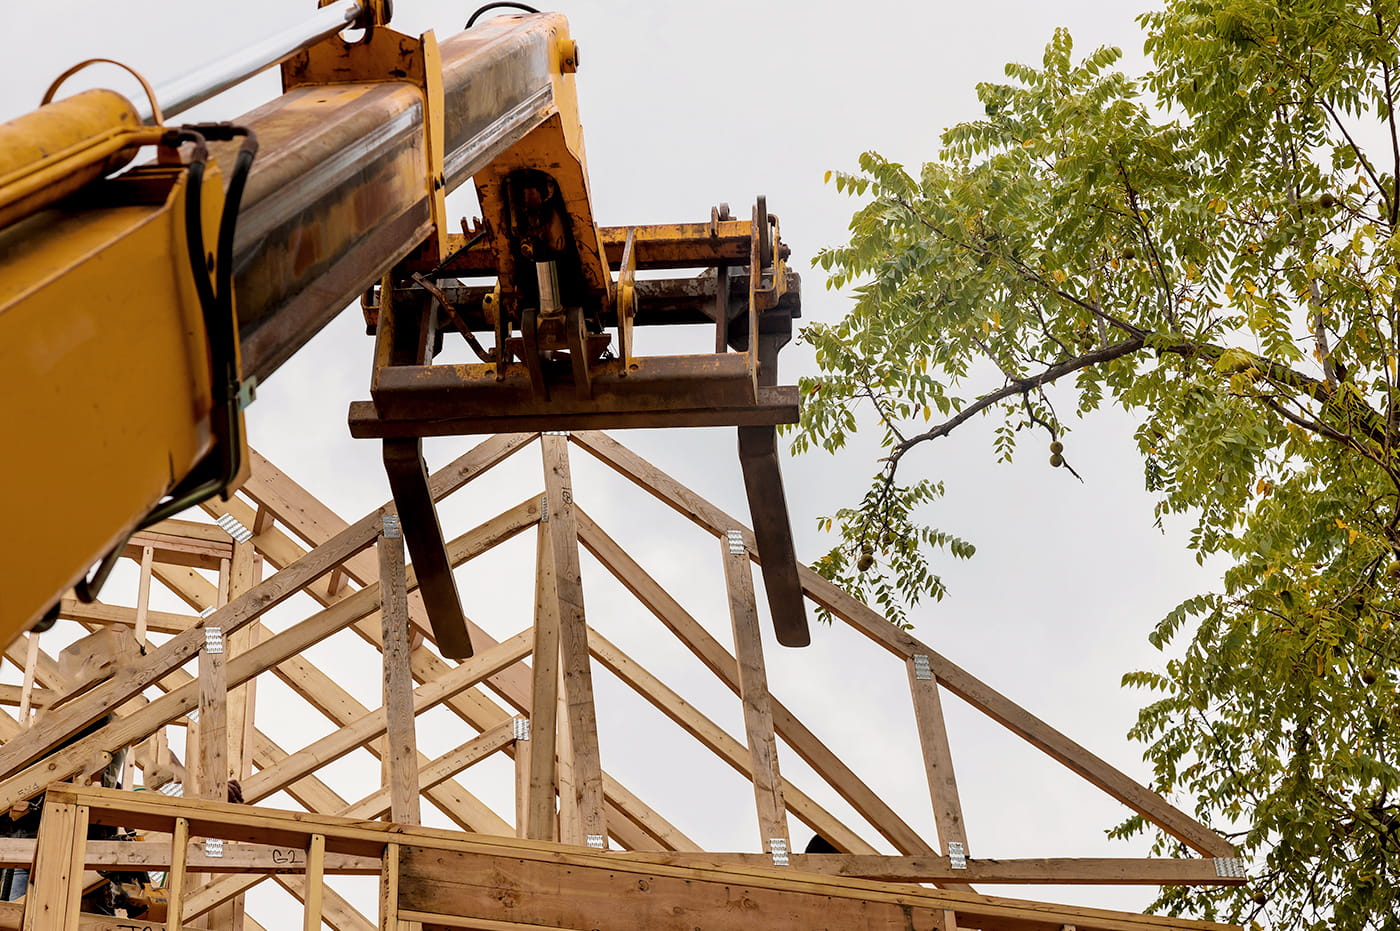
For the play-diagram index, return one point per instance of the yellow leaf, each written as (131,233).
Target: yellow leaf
(928,413)
(1340,523)
(996,320)
(826,178)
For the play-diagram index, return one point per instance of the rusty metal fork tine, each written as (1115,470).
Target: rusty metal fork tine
(408,479)
(763,481)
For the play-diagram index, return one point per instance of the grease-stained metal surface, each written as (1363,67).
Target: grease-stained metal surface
(342,190)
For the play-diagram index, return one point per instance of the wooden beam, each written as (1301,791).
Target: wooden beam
(339,706)
(315,882)
(957,680)
(572,892)
(56,888)
(938,757)
(389,890)
(31,664)
(1098,871)
(373,724)
(753,691)
(143,593)
(161,622)
(336,912)
(133,727)
(175,877)
(573,638)
(400,763)
(540,817)
(154,855)
(178,549)
(99,701)
(570,822)
(578,877)
(14,695)
(723,664)
(376,804)
(633,824)
(213,719)
(315,523)
(718,741)
(244,571)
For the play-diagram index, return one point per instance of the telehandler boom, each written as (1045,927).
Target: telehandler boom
(140,306)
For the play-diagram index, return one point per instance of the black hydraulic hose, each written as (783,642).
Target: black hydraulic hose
(499,5)
(228,357)
(216,302)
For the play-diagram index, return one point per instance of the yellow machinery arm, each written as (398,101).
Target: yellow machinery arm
(114,320)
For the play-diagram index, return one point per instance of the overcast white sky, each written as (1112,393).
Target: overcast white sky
(685,105)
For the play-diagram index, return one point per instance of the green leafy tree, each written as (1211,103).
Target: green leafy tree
(1213,248)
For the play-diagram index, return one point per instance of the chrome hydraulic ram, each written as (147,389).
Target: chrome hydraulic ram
(180,94)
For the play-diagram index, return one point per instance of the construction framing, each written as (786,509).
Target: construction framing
(581,850)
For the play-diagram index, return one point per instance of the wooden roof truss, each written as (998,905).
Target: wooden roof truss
(582,850)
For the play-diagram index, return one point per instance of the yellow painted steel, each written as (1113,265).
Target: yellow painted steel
(56,150)
(104,375)
(555,147)
(388,55)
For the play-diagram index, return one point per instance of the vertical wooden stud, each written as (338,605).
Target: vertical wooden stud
(244,573)
(175,879)
(522,776)
(389,889)
(143,595)
(540,812)
(213,718)
(573,639)
(753,690)
(938,757)
(400,760)
(56,886)
(315,882)
(570,821)
(31,664)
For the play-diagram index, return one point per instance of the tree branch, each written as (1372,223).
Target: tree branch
(1019,386)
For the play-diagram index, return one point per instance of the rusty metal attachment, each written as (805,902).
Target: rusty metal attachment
(556,350)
